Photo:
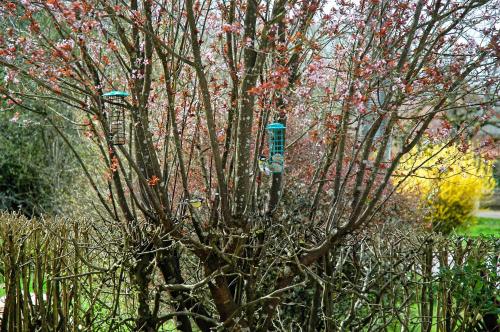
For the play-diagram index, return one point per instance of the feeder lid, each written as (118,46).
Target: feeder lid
(275,126)
(116,93)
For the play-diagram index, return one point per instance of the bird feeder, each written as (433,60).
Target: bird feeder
(116,115)
(276,132)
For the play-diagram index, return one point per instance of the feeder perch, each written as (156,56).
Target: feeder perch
(116,115)
(276,132)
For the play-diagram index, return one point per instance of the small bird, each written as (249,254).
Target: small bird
(196,202)
(264,165)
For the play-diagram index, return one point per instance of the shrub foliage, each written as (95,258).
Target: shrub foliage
(394,279)
(449,182)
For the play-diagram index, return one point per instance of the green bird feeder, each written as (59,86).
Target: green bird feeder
(276,132)
(116,118)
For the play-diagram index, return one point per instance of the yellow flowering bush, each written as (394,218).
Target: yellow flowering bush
(448,182)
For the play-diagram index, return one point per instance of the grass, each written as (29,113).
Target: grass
(484,226)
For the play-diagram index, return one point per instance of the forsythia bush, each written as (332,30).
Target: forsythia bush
(450,183)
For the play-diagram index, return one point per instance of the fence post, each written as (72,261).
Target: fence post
(427,299)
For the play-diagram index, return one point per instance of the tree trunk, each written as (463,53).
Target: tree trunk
(140,273)
(168,263)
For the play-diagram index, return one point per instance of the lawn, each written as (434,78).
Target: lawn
(484,226)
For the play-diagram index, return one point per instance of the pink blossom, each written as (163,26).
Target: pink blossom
(15,118)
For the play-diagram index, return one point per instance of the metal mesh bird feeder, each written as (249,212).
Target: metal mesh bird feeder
(276,132)
(116,118)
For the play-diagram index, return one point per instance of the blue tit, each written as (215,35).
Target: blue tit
(196,202)
(264,165)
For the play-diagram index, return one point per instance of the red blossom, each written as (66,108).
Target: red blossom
(11,6)
(114,164)
(153,181)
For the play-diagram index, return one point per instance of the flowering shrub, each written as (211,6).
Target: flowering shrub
(449,182)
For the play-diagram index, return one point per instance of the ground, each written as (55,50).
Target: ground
(488,223)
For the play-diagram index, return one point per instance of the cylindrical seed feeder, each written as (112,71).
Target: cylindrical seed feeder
(116,115)
(276,133)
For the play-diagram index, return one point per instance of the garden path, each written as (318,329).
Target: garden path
(495,214)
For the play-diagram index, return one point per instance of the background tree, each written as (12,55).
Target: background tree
(35,165)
